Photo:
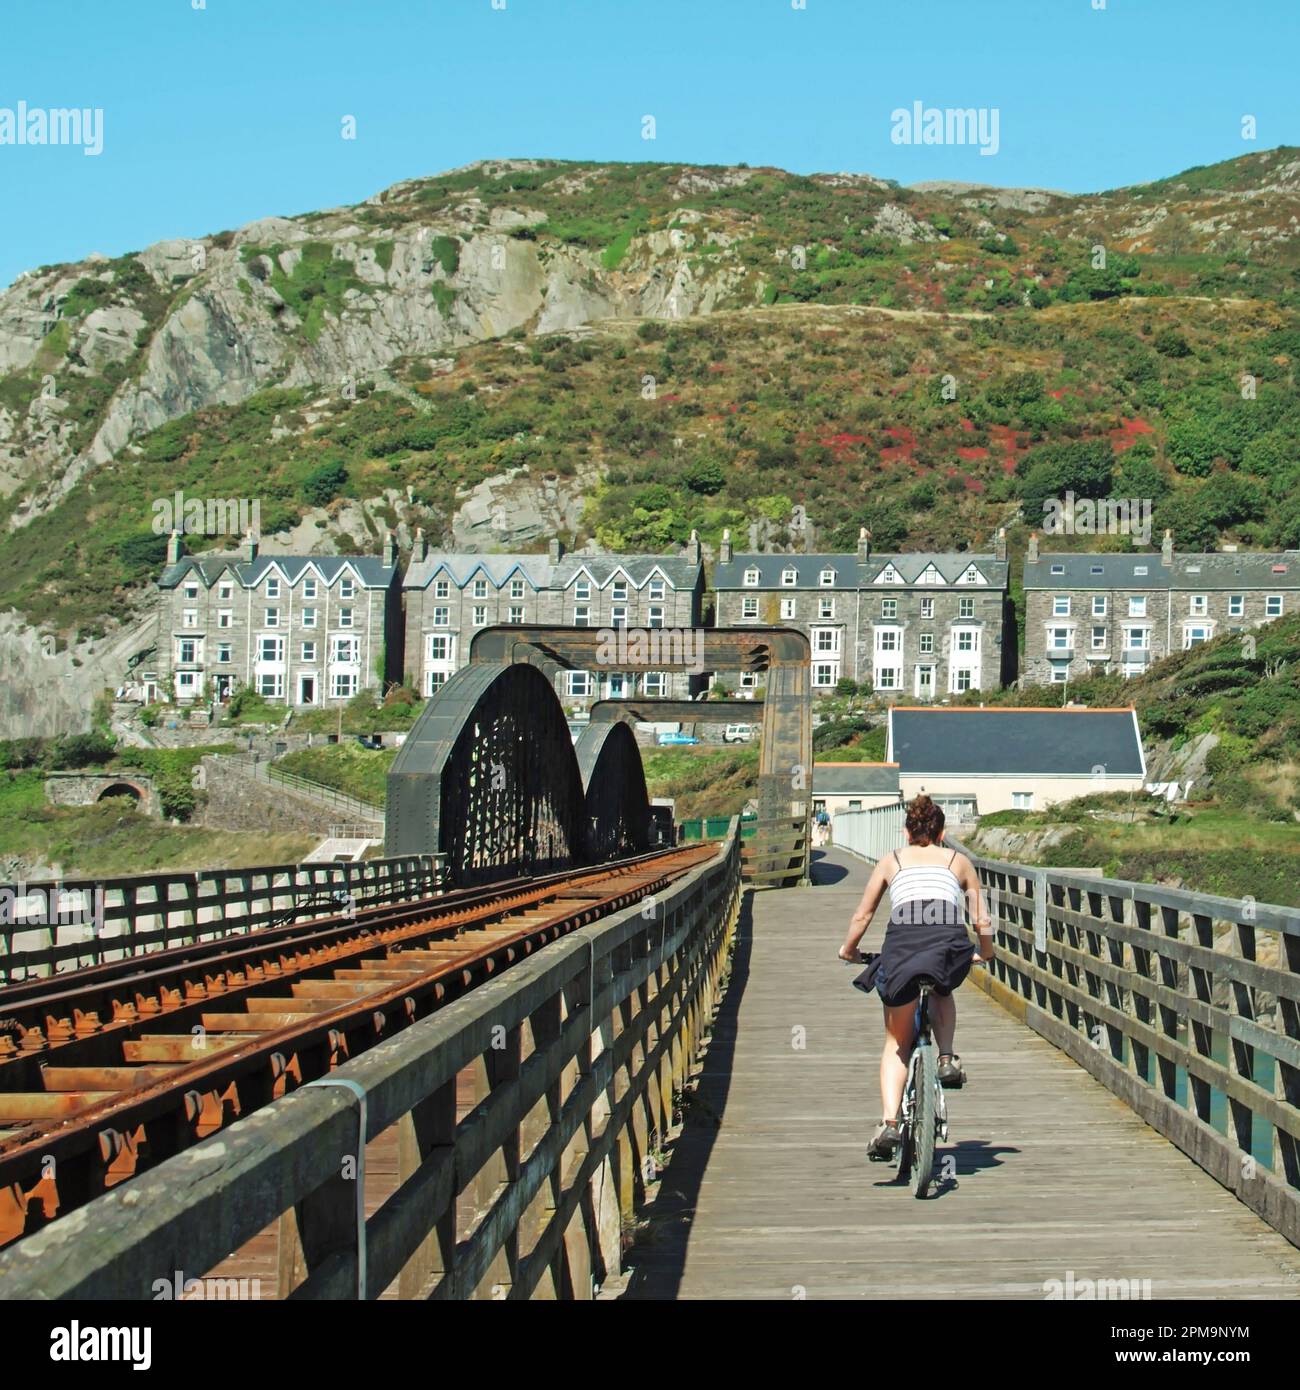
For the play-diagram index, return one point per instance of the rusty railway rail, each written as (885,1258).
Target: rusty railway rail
(201,1035)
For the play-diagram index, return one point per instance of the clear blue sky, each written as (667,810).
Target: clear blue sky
(219,115)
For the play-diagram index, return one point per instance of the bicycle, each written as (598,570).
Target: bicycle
(924,1112)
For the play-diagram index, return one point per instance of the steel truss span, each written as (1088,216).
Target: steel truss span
(489,774)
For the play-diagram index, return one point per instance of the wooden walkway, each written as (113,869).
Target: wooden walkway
(769,1194)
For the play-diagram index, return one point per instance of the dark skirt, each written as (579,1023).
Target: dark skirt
(923,938)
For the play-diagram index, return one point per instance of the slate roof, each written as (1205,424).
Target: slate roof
(852,573)
(1216,569)
(369,570)
(855,779)
(966,741)
(545,573)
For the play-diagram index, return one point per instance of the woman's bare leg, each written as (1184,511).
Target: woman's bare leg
(900,1029)
(943,1020)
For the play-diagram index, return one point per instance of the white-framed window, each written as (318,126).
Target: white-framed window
(886,639)
(618,592)
(515,615)
(971,575)
(889,575)
(1196,633)
(965,607)
(1139,570)
(749,680)
(187,650)
(826,609)
(825,673)
(225,590)
(749,607)
(1060,639)
(617,615)
(434,681)
(346,588)
(577,683)
(345,617)
(438,647)
(751,579)
(1058,569)
(270,650)
(516,588)
(963,678)
(272,618)
(190,617)
(441,616)
(225,617)
(826,641)
(1022,801)
(309,617)
(309,588)
(582,615)
(657,591)
(343,685)
(655,683)
(929,575)
(1198,605)
(1099,605)
(1137,606)
(441,589)
(1273,606)
(656,615)
(1236,605)
(1061,606)
(888,678)
(1099,639)
(789,577)
(787,609)
(927,608)
(968,639)
(826,578)
(191,590)
(889,608)
(270,684)
(223,653)
(480,587)
(927,643)
(273,588)
(1060,673)
(480,615)
(308,651)
(343,651)
(1137,639)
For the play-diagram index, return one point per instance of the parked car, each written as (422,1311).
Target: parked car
(370,740)
(664,740)
(738,733)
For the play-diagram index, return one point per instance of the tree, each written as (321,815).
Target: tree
(325,483)
(705,476)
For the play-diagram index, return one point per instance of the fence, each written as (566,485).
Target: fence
(71,923)
(715,827)
(872,832)
(260,768)
(1186,1005)
(515,1182)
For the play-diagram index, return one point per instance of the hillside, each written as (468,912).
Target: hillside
(521,349)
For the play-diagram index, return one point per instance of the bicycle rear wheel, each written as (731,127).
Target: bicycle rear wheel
(924,1119)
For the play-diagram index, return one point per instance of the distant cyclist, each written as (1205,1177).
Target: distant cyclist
(930,888)
(823,826)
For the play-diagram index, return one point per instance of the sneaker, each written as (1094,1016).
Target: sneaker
(951,1075)
(883,1142)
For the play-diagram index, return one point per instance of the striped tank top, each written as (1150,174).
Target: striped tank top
(924,883)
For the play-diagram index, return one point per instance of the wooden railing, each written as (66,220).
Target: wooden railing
(1186,1005)
(58,925)
(526,1113)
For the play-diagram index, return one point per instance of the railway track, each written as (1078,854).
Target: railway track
(107,1071)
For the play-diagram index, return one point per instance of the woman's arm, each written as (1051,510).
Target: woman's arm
(977,905)
(861,919)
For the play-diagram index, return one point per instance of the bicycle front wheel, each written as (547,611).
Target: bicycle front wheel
(924,1119)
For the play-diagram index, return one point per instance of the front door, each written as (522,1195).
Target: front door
(925,682)
(306,690)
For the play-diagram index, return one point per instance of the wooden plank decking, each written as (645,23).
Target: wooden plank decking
(769,1193)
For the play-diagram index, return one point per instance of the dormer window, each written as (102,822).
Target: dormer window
(789,577)
(751,579)
(309,588)
(480,588)
(441,589)
(1058,569)
(971,576)
(619,592)
(929,575)
(346,588)
(656,590)
(273,588)
(516,588)
(191,591)
(582,590)
(889,575)
(827,578)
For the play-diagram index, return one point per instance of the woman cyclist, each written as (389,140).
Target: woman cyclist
(930,888)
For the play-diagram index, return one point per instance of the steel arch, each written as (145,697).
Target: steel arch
(617,805)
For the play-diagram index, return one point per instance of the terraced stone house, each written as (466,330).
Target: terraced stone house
(1120,612)
(304,630)
(915,626)
(450,596)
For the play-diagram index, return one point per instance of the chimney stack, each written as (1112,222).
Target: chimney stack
(420,549)
(1031,555)
(724,550)
(390,549)
(554,549)
(174,547)
(1167,548)
(864,544)
(693,548)
(250,546)
(1000,545)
